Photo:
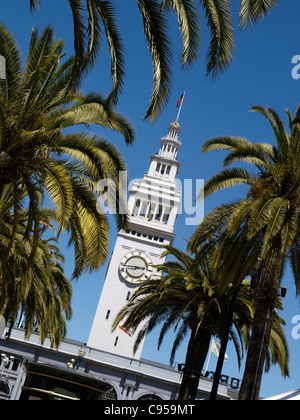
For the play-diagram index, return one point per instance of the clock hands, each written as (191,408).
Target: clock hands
(133,267)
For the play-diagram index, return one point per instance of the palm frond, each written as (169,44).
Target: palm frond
(9,50)
(188,21)
(294,258)
(35,4)
(89,230)
(228,178)
(59,186)
(277,126)
(211,226)
(220,22)
(252,11)
(279,211)
(241,150)
(79,42)
(104,11)
(155,30)
(90,109)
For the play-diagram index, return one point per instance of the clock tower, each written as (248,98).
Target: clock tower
(153,205)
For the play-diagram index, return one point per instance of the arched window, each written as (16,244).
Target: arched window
(149,397)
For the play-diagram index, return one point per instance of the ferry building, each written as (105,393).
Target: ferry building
(105,367)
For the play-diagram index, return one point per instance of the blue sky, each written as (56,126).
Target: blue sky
(260,74)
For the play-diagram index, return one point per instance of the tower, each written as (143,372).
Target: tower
(153,205)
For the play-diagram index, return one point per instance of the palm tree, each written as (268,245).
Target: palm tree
(41,293)
(101,16)
(35,112)
(277,352)
(186,296)
(269,215)
(35,286)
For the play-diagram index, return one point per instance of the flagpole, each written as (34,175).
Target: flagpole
(179,111)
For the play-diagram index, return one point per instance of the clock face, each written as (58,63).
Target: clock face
(136,266)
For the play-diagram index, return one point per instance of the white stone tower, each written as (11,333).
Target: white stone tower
(154,203)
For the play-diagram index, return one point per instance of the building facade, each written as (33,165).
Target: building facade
(128,379)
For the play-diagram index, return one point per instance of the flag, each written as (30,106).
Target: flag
(128,332)
(215,349)
(180,100)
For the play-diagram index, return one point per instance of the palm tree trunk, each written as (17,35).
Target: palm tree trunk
(198,348)
(262,324)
